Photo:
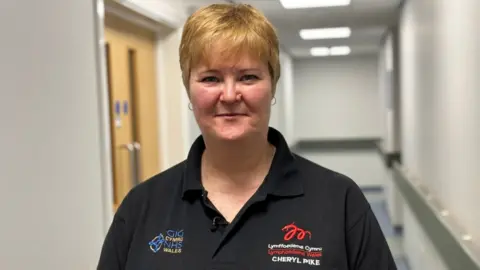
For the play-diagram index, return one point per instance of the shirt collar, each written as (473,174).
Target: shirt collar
(282,180)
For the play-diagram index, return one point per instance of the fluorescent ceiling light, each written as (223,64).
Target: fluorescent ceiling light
(340,50)
(324,51)
(325,33)
(292,4)
(320,51)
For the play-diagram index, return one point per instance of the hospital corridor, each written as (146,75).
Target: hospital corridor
(94,102)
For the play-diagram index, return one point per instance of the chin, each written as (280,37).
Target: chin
(231,133)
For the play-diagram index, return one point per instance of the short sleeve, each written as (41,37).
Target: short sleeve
(117,241)
(115,246)
(367,247)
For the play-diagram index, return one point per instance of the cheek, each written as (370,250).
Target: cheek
(258,100)
(203,99)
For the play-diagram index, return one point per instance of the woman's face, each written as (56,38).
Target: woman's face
(231,99)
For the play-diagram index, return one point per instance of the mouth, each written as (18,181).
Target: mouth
(230,115)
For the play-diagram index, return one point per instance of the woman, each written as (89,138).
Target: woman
(241,199)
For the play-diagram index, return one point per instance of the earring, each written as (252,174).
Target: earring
(274,101)
(190,106)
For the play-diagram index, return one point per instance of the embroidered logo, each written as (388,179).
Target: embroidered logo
(297,253)
(292,230)
(172,242)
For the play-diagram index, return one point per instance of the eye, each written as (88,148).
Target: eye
(249,77)
(210,79)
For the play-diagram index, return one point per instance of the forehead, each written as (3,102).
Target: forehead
(222,57)
(219,63)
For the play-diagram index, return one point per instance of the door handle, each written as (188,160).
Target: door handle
(138,165)
(134,160)
(128,146)
(131,156)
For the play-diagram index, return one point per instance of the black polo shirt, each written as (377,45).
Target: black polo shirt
(303,216)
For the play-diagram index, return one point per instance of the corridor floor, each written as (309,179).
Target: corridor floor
(379,207)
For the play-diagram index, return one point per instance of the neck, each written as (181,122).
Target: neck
(236,166)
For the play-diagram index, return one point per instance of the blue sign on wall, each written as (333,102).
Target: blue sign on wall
(125,107)
(117,107)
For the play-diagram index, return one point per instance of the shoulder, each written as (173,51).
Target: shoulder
(161,186)
(329,187)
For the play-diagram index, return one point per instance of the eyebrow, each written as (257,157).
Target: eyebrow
(240,70)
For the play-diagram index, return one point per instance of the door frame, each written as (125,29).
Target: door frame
(163,21)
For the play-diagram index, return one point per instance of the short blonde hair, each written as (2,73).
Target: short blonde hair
(236,29)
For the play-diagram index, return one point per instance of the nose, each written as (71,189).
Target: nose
(230,93)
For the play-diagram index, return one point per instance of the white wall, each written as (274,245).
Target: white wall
(288,96)
(193,128)
(169,12)
(440,53)
(51,177)
(277,119)
(173,102)
(456,111)
(389,100)
(282,117)
(387,73)
(365,167)
(337,98)
(417,246)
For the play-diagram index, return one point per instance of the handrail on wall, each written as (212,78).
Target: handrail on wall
(455,246)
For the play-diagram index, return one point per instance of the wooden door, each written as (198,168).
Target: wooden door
(130,52)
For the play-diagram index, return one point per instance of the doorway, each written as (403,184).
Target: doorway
(130,58)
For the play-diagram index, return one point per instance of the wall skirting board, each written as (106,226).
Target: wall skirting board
(372,189)
(348,144)
(447,238)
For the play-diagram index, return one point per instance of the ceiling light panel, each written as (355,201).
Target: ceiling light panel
(340,50)
(325,33)
(333,51)
(295,4)
(320,51)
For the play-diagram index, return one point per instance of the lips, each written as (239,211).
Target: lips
(229,114)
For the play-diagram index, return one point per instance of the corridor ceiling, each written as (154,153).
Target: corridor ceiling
(368,20)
